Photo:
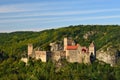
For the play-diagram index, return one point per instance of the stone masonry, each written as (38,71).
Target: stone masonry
(71,51)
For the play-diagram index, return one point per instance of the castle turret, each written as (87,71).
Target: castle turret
(30,50)
(65,43)
(92,49)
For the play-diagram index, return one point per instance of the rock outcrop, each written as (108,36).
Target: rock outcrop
(88,34)
(108,56)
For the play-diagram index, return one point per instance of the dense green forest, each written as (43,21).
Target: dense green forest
(11,69)
(14,45)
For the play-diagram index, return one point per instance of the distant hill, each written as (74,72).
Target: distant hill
(15,43)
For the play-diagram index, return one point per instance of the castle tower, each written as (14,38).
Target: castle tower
(30,50)
(65,43)
(92,49)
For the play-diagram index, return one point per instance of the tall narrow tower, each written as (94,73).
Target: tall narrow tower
(65,43)
(92,49)
(30,50)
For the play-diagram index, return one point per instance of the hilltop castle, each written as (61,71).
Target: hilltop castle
(70,51)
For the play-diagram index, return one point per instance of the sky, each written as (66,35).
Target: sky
(37,15)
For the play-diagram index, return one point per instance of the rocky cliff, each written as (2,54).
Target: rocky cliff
(109,55)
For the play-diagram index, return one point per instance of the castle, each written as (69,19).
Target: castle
(70,51)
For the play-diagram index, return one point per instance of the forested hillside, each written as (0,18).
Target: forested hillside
(14,45)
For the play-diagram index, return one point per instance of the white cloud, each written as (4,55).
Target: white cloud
(10,9)
(20,7)
(57,19)
(45,5)
(56,13)
(84,18)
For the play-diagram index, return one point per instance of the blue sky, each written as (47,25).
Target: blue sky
(37,15)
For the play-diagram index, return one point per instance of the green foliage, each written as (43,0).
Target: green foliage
(13,45)
(37,70)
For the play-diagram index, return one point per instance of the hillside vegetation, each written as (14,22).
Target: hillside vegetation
(14,45)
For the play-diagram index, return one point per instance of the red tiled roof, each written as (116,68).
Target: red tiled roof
(72,47)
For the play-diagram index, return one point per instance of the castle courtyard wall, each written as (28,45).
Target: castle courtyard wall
(57,55)
(41,55)
(73,56)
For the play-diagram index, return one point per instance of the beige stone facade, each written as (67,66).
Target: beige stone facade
(41,55)
(57,55)
(71,51)
(30,50)
(24,60)
(77,53)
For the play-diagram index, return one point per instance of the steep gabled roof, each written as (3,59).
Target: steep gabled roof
(92,44)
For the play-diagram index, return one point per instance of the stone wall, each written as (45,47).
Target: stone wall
(57,55)
(24,60)
(77,56)
(41,55)
(70,51)
(86,58)
(73,56)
